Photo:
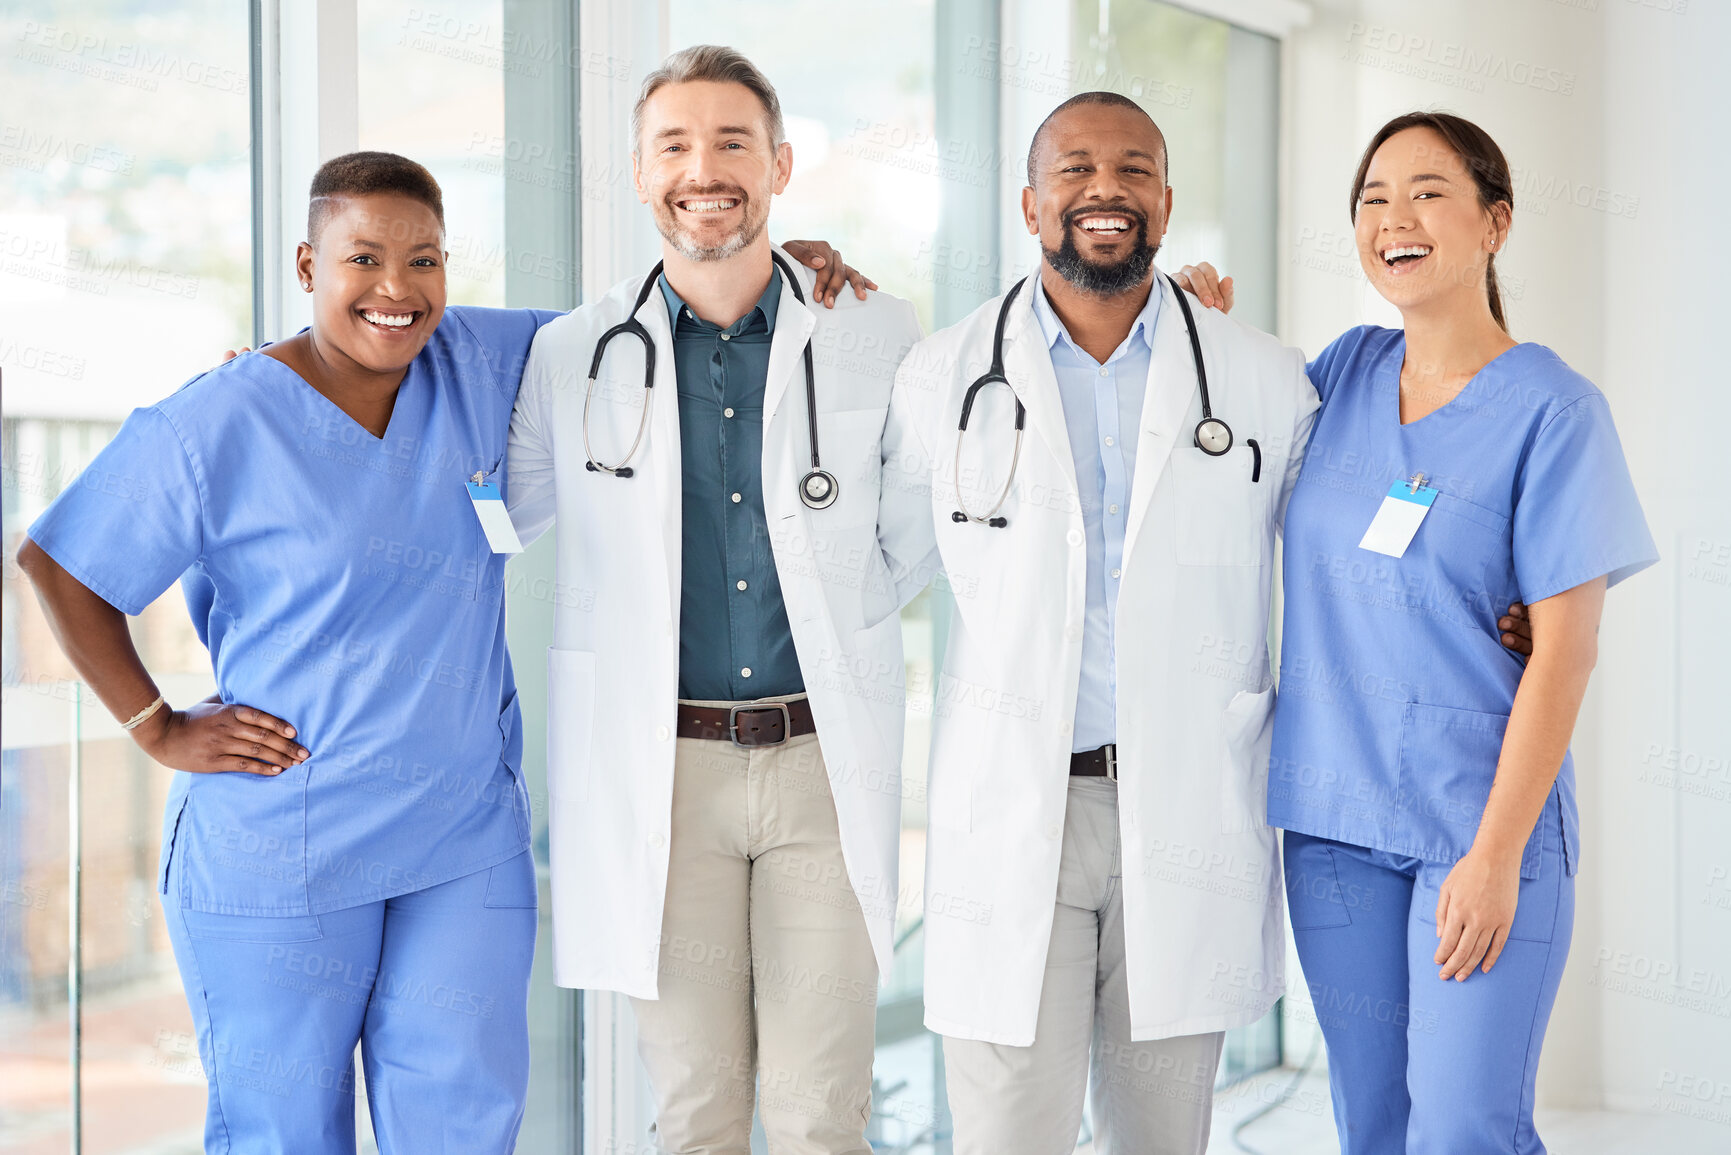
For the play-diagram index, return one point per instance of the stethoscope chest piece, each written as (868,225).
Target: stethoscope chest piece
(819,489)
(1213,437)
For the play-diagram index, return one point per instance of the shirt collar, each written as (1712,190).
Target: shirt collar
(1053,328)
(766,308)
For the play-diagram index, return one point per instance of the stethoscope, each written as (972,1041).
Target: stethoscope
(818,488)
(1213,436)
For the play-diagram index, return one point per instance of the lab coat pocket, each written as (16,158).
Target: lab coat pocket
(570,717)
(850,444)
(1248,718)
(1448,760)
(950,772)
(1222,514)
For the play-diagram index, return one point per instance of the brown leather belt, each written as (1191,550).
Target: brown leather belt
(1101,763)
(747,724)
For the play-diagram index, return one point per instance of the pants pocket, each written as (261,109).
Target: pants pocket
(511,885)
(261,928)
(1313,891)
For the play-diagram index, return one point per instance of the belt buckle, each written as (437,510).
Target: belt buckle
(733,713)
(1110,750)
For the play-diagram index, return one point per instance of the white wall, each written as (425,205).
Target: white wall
(1619,143)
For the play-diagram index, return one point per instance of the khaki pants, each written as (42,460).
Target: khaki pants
(1151,1098)
(767,980)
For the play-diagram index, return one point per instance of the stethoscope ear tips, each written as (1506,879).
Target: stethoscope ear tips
(958,516)
(998,522)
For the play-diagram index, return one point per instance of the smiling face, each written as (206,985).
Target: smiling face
(706,167)
(1099,202)
(378,277)
(1424,237)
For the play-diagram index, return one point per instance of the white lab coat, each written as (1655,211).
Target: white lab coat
(1201,880)
(613,668)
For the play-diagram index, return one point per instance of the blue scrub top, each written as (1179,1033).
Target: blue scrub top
(341,582)
(1395,689)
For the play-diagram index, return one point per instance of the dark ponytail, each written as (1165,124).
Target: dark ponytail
(1484,160)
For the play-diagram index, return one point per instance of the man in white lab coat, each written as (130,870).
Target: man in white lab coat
(725,680)
(1100,878)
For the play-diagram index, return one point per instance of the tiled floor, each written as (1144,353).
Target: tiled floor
(1304,1125)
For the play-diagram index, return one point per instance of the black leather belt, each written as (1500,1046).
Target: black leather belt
(1101,763)
(747,724)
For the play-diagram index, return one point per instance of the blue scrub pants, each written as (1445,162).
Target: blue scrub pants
(1419,1065)
(432,984)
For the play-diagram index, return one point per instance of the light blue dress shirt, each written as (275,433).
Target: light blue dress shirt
(1103,414)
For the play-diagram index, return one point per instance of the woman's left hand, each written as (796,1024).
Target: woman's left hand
(1474,910)
(832,272)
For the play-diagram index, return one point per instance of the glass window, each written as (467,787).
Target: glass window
(125,269)
(482,92)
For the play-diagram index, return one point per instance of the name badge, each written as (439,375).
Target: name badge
(495,522)
(1398,519)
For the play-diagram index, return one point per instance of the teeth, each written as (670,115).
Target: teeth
(708,206)
(1098,223)
(1408,251)
(390,320)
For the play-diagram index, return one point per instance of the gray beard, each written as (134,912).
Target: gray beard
(743,237)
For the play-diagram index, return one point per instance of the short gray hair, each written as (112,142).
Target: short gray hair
(712,62)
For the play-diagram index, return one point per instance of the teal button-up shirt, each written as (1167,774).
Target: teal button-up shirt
(734,639)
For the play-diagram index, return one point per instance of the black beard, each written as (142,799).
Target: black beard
(1086,276)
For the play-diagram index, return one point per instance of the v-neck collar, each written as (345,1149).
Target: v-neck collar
(1397,358)
(404,394)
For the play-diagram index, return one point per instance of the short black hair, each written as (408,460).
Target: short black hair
(357,174)
(1113,99)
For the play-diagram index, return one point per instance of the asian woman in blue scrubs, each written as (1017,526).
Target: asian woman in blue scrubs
(1421,772)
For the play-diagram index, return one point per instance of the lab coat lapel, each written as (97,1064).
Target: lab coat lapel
(1028,365)
(794,324)
(660,457)
(1171,387)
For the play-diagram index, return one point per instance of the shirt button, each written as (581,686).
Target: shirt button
(661,733)
(745,672)
(727,412)
(1054,830)
(1073,632)
(1113,508)
(737,499)
(1103,371)
(725,337)
(1074,537)
(657,841)
(1108,441)
(1063,727)
(740,584)
(1116,571)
